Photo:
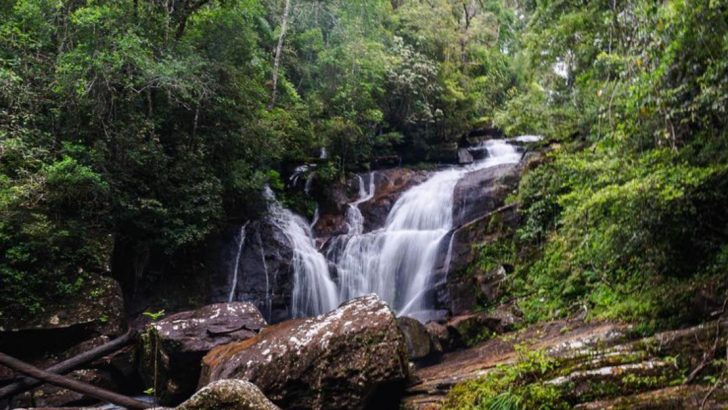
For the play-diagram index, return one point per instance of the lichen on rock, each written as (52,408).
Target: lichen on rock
(229,395)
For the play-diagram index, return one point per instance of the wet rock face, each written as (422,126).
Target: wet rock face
(264,270)
(349,358)
(181,340)
(230,395)
(390,185)
(480,192)
(464,157)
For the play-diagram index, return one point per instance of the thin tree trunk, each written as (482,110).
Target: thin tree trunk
(69,364)
(277,58)
(71,384)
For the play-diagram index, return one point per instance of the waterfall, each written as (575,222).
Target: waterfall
(236,266)
(316,216)
(397,261)
(354,218)
(268,290)
(313,290)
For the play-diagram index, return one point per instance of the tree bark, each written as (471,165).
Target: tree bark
(69,364)
(71,384)
(277,57)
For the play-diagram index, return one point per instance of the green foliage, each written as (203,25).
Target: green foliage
(154,316)
(623,219)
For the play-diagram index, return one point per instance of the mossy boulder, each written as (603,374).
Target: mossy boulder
(230,395)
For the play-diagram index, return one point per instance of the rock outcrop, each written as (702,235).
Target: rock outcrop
(349,358)
(593,366)
(171,349)
(390,184)
(229,395)
(481,192)
(265,270)
(422,346)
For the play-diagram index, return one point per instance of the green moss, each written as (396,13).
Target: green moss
(514,386)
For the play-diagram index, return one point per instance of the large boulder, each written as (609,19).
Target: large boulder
(464,157)
(349,358)
(171,349)
(229,395)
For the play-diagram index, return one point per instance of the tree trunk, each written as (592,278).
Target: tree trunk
(277,57)
(69,364)
(71,384)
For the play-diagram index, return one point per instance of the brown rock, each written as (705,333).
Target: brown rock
(421,345)
(476,327)
(349,358)
(448,340)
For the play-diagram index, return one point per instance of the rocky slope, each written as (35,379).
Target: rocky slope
(587,365)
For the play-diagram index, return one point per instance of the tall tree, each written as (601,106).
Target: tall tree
(279,50)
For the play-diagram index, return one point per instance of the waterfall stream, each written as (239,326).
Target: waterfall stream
(396,261)
(236,267)
(314,292)
(354,218)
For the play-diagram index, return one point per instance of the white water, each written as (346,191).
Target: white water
(354,218)
(236,268)
(313,290)
(397,261)
(268,290)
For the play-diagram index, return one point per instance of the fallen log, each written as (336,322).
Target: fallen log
(71,384)
(70,364)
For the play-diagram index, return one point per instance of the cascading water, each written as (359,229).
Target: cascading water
(354,218)
(396,262)
(313,290)
(236,265)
